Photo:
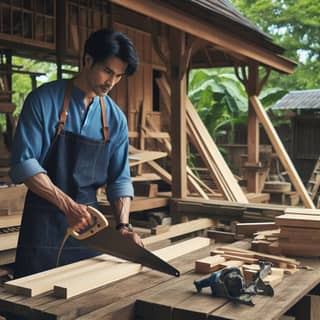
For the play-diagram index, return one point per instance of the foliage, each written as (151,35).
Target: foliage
(219,98)
(22,83)
(222,101)
(294,25)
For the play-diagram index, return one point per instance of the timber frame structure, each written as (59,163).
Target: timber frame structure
(171,37)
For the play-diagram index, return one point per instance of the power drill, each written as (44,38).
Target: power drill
(229,283)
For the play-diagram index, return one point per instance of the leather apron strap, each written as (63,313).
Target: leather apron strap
(64,113)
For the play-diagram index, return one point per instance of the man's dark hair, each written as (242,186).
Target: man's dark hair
(105,43)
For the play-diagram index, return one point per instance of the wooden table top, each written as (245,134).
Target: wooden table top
(152,295)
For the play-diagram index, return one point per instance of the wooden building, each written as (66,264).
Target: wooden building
(171,37)
(302,108)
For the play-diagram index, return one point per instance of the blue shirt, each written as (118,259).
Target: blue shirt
(37,126)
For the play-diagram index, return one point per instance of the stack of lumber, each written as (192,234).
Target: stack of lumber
(71,280)
(300,232)
(267,241)
(248,212)
(247,261)
(11,205)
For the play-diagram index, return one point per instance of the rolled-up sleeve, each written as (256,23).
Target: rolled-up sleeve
(119,180)
(27,144)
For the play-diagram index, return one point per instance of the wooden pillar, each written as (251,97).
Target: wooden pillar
(253,133)
(178,113)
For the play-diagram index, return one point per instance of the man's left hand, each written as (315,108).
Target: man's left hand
(132,235)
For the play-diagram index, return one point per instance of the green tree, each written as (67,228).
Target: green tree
(222,101)
(294,25)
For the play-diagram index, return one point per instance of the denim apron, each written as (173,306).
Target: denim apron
(78,166)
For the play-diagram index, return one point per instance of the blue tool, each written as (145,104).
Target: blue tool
(229,283)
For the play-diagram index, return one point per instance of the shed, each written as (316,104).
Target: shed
(303,144)
(171,37)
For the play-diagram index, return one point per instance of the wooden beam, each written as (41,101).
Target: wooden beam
(199,28)
(253,132)
(281,152)
(181,229)
(42,282)
(178,114)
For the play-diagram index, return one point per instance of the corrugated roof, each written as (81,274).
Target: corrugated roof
(301,99)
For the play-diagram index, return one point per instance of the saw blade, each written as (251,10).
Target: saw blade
(112,242)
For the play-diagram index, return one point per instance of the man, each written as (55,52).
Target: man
(71,139)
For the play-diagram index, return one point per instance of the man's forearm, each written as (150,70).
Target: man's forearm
(76,214)
(42,185)
(121,209)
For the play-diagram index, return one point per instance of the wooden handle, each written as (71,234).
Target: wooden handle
(100,222)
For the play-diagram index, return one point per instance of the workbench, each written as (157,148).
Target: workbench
(155,296)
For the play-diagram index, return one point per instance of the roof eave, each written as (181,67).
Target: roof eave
(162,12)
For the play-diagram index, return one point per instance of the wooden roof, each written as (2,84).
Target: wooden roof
(223,13)
(221,25)
(301,99)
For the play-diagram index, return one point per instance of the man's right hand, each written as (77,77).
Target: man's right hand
(78,216)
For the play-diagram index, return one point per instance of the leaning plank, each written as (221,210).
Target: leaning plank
(42,282)
(102,276)
(180,229)
(281,152)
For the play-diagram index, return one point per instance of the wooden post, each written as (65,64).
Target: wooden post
(178,114)
(253,132)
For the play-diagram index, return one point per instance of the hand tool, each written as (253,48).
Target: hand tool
(229,283)
(102,238)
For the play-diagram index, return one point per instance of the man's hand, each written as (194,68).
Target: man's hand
(78,216)
(132,235)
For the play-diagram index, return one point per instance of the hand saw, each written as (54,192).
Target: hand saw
(107,240)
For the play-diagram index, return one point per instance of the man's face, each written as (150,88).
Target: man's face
(103,76)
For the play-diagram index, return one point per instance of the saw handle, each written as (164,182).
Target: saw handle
(100,222)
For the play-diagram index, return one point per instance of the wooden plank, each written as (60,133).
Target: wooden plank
(221,236)
(10,221)
(145,156)
(281,152)
(181,229)
(209,264)
(102,275)
(221,170)
(198,134)
(263,256)
(138,204)
(206,31)
(42,282)
(248,229)
(302,221)
(12,198)
(302,211)
(124,305)
(8,240)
